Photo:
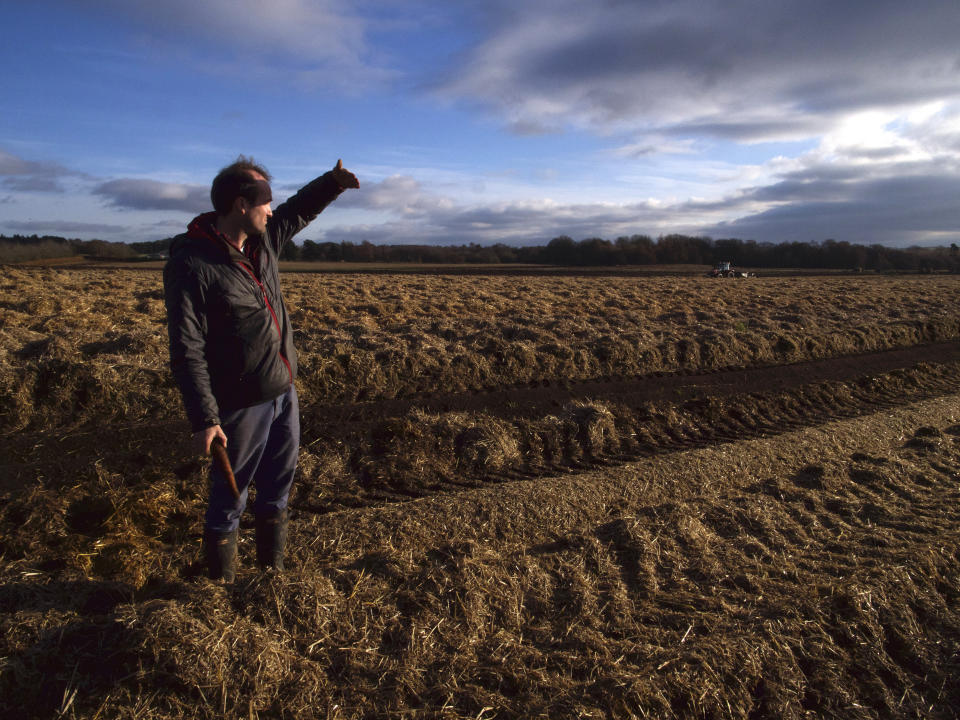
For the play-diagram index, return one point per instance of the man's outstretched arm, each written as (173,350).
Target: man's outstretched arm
(308,202)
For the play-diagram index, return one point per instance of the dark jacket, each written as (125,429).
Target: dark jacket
(231,344)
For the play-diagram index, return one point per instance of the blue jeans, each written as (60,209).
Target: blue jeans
(262,444)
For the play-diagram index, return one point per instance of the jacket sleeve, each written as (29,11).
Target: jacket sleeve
(187,328)
(300,209)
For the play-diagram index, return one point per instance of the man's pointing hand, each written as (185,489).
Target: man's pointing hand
(343,176)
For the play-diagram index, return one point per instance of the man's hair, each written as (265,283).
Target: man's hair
(230,183)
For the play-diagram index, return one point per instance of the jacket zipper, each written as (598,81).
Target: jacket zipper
(276,322)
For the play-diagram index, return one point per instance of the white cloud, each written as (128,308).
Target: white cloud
(139,194)
(878,178)
(401,195)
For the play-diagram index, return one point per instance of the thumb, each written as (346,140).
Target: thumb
(339,164)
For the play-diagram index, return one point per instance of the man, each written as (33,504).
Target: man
(231,349)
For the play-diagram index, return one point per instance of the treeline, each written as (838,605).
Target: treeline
(644,250)
(23,248)
(563,250)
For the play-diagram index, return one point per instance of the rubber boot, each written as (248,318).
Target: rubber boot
(222,556)
(271,539)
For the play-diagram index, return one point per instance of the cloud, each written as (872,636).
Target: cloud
(749,70)
(896,210)
(33,176)
(422,218)
(400,194)
(899,211)
(64,227)
(137,194)
(877,178)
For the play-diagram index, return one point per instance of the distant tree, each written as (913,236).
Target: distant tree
(332,252)
(561,250)
(637,250)
(729,250)
(366,252)
(505,253)
(152,247)
(483,255)
(12,251)
(290,251)
(683,249)
(104,249)
(596,251)
(310,251)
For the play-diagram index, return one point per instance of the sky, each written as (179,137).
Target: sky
(490,121)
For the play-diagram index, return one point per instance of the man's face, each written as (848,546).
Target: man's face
(257,215)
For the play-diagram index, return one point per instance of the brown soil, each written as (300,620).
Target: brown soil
(622,510)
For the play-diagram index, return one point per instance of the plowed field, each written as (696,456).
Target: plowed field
(519,497)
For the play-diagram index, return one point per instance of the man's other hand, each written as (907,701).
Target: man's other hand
(204,438)
(343,176)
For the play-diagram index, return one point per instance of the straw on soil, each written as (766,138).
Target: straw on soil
(788,551)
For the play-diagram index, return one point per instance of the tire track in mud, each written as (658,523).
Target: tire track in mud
(652,415)
(817,579)
(849,550)
(617,421)
(534,399)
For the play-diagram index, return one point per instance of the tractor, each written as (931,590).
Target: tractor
(724,269)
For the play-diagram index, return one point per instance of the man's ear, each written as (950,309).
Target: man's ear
(240,205)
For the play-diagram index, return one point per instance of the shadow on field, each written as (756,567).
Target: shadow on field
(86,656)
(82,648)
(84,597)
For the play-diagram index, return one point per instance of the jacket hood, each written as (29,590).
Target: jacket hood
(203,226)
(202,229)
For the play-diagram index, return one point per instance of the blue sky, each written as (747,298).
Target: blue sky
(490,121)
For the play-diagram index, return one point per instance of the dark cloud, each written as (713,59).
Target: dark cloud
(748,69)
(136,194)
(741,128)
(890,211)
(64,227)
(33,183)
(23,175)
